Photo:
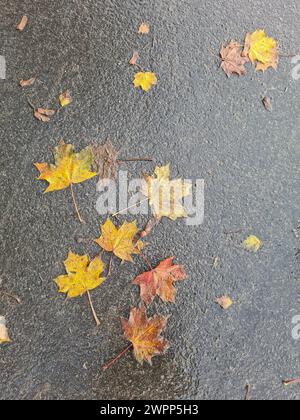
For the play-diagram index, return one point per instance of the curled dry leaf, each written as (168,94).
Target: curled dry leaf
(106,161)
(144,28)
(160,281)
(27,83)
(134,58)
(145,334)
(43,114)
(225,302)
(120,241)
(261,50)
(165,196)
(22,24)
(267,103)
(232,59)
(252,243)
(65,99)
(4,337)
(145,80)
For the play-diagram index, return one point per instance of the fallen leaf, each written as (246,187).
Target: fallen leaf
(232,59)
(121,241)
(291,382)
(216,262)
(4,337)
(65,99)
(267,104)
(27,83)
(261,49)
(41,117)
(252,243)
(145,334)
(43,114)
(106,160)
(165,196)
(145,80)
(22,24)
(134,59)
(70,168)
(159,281)
(82,276)
(144,29)
(225,302)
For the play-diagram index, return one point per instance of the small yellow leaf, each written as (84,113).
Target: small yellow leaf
(252,243)
(70,168)
(145,80)
(121,241)
(225,302)
(65,99)
(261,49)
(4,337)
(82,276)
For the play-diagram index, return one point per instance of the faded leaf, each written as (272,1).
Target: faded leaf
(261,49)
(252,243)
(65,99)
(165,196)
(22,24)
(159,282)
(121,241)
(4,337)
(82,276)
(106,161)
(144,28)
(134,58)
(232,60)
(43,114)
(267,103)
(70,168)
(27,83)
(225,302)
(145,334)
(145,80)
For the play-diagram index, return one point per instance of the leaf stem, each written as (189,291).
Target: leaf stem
(98,323)
(76,205)
(113,361)
(146,261)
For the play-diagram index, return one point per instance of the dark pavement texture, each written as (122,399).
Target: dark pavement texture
(207,127)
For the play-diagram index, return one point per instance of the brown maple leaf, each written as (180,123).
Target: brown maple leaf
(106,161)
(145,334)
(232,59)
(159,281)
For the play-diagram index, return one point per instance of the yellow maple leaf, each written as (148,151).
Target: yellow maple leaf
(165,196)
(70,168)
(252,243)
(262,49)
(121,241)
(82,276)
(145,80)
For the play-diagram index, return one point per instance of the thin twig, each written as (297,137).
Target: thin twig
(146,261)
(113,361)
(11,296)
(110,265)
(75,205)
(145,159)
(98,323)
(128,208)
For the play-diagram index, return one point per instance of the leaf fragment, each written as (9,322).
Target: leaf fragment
(22,24)
(43,114)
(252,243)
(144,29)
(232,59)
(160,281)
(225,302)
(70,167)
(261,50)
(82,275)
(27,83)
(145,80)
(134,59)
(267,103)
(120,241)
(165,196)
(106,160)
(145,334)
(65,99)
(4,337)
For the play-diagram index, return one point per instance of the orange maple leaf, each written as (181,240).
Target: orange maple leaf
(159,281)
(145,334)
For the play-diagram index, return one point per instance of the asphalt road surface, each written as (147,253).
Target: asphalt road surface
(207,127)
